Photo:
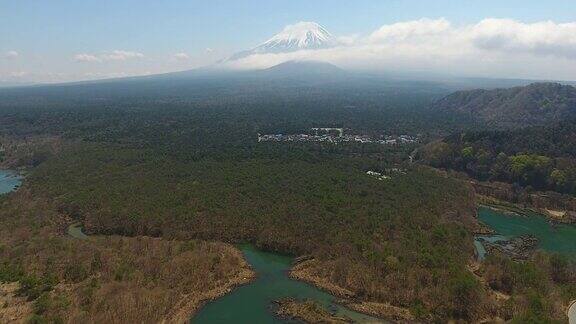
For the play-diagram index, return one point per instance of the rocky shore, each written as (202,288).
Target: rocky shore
(484,230)
(519,249)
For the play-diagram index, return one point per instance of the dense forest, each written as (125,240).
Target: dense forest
(539,158)
(185,168)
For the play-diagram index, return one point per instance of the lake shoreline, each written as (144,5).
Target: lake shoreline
(514,209)
(190,306)
(306,311)
(521,236)
(259,301)
(302,271)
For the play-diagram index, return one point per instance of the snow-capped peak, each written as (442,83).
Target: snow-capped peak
(300,36)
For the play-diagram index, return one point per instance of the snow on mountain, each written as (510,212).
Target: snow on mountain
(299,36)
(303,35)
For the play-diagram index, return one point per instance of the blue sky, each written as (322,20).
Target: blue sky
(47,34)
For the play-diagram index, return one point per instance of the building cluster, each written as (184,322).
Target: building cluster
(387,174)
(378,175)
(336,135)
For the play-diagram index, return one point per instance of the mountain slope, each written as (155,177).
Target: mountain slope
(535,104)
(303,69)
(300,36)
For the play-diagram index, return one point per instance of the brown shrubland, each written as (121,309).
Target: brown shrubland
(108,279)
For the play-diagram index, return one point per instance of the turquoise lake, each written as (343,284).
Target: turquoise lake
(9,181)
(253,303)
(559,238)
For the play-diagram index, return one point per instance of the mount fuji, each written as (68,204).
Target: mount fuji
(296,37)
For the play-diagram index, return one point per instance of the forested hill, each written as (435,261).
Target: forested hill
(542,157)
(535,104)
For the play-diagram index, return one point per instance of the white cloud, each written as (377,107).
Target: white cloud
(119,55)
(347,40)
(542,38)
(410,29)
(11,55)
(86,58)
(18,74)
(209,50)
(181,56)
(491,47)
(116,55)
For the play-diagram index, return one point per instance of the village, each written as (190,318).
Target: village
(386,174)
(337,135)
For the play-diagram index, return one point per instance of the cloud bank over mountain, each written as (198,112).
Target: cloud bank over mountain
(496,48)
(491,47)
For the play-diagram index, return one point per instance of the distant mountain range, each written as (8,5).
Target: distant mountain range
(6,84)
(532,105)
